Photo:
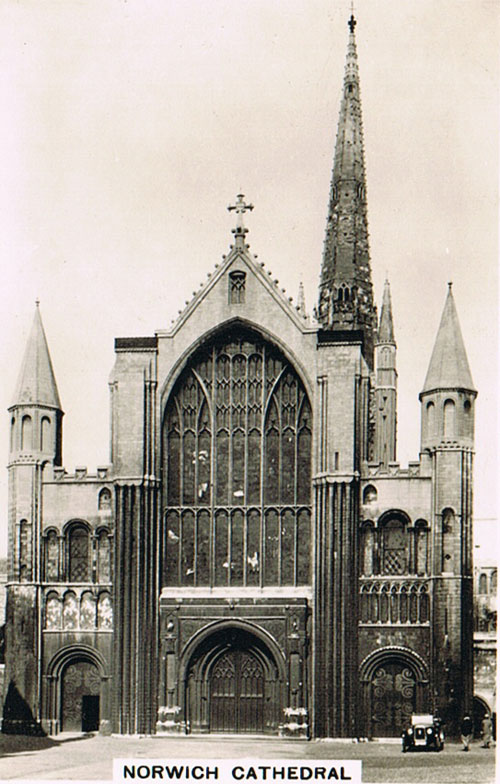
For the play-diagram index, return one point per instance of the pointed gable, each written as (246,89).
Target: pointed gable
(36,382)
(449,367)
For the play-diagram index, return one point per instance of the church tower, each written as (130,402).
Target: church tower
(346,293)
(447,400)
(345,358)
(386,385)
(35,441)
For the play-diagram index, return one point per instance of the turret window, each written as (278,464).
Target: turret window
(449,419)
(12,434)
(431,420)
(26,433)
(448,535)
(25,551)
(45,434)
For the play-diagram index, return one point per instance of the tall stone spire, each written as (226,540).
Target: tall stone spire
(36,384)
(346,292)
(449,367)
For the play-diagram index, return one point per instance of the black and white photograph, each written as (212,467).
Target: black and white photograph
(249,361)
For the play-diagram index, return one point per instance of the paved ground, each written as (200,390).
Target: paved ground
(91,758)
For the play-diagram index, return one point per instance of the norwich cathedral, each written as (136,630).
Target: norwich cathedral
(253,559)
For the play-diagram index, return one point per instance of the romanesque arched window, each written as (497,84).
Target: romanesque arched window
(12,434)
(103,557)
(78,553)
(448,539)
(25,551)
(104,502)
(367,549)
(26,433)
(394,545)
(237,462)
(421,547)
(51,561)
(53,611)
(87,611)
(430,420)
(370,494)
(45,444)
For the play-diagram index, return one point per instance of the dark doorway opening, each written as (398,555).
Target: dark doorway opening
(90,713)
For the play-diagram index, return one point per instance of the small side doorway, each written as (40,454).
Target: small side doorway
(81,686)
(90,713)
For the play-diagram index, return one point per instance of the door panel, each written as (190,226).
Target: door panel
(393,699)
(80,678)
(237,693)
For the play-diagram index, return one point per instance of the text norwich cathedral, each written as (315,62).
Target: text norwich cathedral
(253,559)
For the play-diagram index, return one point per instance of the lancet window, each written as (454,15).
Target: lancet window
(237,463)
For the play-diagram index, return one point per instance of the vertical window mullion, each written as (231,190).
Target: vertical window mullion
(245,477)
(213,471)
(262,468)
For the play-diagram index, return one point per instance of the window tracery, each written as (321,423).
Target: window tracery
(237,457)
(78,553)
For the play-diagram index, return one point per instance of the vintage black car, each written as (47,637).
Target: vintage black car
(425,733)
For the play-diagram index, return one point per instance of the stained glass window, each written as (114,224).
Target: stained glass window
(237,437)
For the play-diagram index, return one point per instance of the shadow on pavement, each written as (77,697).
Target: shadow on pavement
(20,744)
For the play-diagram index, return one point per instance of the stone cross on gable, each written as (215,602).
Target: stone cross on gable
(240,208)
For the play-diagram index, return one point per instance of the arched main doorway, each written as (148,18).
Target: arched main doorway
(80,697)
(393,698)
(233,685)
(394,687)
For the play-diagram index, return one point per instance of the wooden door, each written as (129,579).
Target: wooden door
(237,693)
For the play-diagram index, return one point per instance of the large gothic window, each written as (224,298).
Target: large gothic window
(237,469)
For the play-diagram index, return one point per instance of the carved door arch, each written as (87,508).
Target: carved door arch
(233,686)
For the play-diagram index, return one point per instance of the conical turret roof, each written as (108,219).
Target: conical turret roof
(449,367)
(36,383)
(386,325)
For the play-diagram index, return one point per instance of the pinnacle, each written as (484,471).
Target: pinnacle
(386,325)
(36,383)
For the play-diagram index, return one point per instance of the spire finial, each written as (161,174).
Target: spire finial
(450,284)
(37,302)
(240,208)
(352,22)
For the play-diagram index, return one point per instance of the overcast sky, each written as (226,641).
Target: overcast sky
(128,126)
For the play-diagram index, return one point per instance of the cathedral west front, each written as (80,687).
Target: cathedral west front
(253,559)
